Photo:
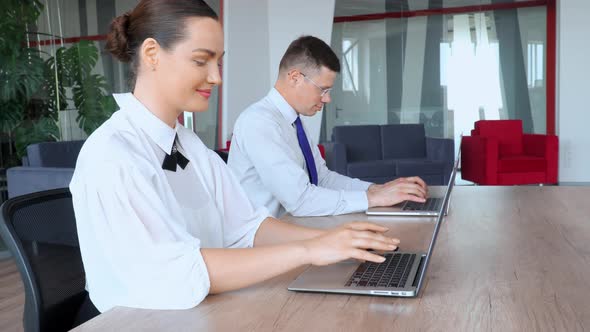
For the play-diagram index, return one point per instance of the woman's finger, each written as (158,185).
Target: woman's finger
(364,255)
(368,226)
(375,236)
(373,244)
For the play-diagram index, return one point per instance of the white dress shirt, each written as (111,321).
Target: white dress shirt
(141,227)
(266,158)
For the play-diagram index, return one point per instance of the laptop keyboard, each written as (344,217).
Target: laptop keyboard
(393,272)
(431,204)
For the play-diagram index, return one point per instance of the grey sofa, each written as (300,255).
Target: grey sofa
(381,153)
(47,165)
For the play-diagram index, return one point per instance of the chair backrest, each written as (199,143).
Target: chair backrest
(40,231)
(54,154)
(222,154)
(322,150)
(508,132)
(363,143)
(403,141)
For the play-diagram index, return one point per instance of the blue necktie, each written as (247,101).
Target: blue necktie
(304,145)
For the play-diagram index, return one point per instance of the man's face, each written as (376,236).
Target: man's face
(312,90)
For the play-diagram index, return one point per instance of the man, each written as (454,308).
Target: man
(278,164)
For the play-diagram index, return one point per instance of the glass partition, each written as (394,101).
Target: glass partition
(444,70)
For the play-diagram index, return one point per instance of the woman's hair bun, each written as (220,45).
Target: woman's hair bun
(118,39)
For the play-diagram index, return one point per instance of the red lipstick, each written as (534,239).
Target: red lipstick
(204,93)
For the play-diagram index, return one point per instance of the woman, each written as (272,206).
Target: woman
(161,220)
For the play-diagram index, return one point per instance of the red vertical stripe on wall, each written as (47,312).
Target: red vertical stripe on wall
(551,66)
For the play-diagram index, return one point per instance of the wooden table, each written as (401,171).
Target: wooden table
(507,259)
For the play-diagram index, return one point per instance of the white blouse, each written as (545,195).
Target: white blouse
(141,227)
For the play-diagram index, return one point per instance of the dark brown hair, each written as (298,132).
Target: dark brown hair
(163,20)
(309,52)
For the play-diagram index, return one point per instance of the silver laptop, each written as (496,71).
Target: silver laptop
(402,274)
(430,208)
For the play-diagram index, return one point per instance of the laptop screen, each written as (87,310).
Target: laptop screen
(438,221)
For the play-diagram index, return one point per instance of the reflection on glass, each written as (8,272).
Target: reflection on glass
(350,72)
(535,67)
(446,71)
(473,82)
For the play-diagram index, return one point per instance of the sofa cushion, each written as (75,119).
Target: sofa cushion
(403,141)
(508,132)
(418,167)
(515,164)
(367,169)
(379,180)
(24,180)
(363,143)
(434,179)
(54,154)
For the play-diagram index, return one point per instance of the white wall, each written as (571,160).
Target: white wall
(257,33)
(573,75)
(245,65)
(288,20)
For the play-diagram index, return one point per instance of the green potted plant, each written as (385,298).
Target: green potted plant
(35,85)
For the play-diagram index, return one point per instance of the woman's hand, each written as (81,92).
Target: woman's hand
(350,240)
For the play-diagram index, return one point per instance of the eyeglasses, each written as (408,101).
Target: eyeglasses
(323,91)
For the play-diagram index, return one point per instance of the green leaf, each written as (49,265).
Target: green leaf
(93,103)
(16,15)
(56,80)
(44,129)
(21,74)
(11,114)
(78,60)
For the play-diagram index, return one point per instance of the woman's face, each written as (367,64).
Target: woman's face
(187,72)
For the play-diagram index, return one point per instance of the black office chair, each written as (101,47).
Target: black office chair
(222,154)
(40,231)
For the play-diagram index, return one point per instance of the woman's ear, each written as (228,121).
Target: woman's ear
(149,53)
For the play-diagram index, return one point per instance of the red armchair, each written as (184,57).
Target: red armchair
(498,153)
